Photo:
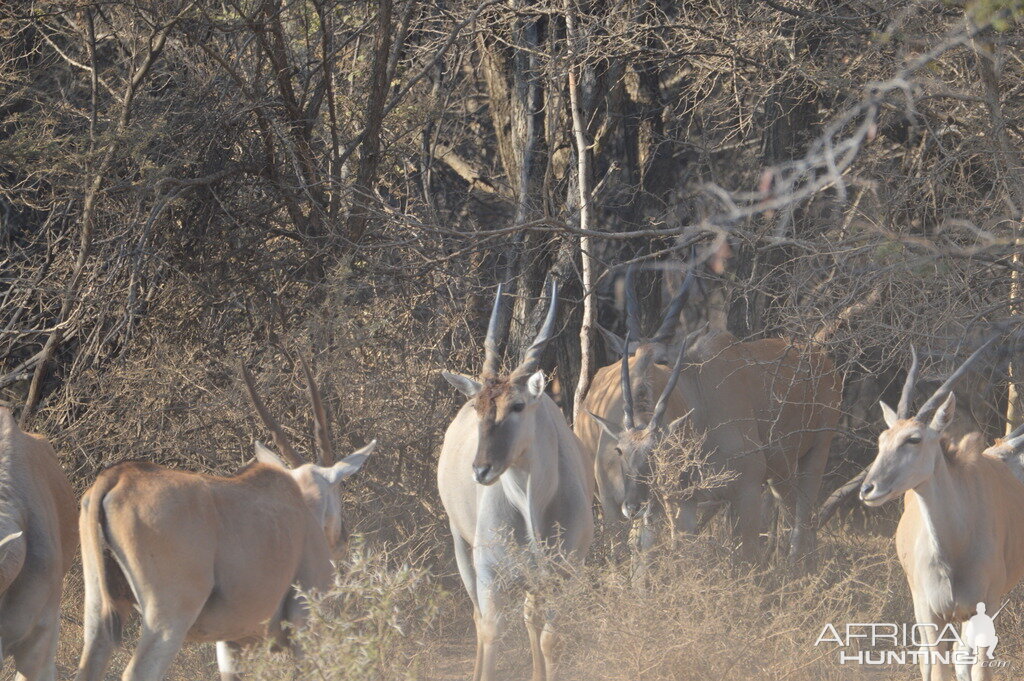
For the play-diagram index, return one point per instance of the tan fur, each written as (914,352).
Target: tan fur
(205,558)
(959,540)
(493,396)
(768,408)
(38,516)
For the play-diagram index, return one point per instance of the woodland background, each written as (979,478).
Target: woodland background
(186,185)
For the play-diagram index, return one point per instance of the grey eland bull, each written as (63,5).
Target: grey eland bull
(511,470)
(38,541)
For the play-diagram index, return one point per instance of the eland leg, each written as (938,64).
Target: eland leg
(227,660)
(981,671)
(810,469)
(157,648)
(489,625)
(36,661)
(166,621)
(550,645)
(464,560)
(535,628)
(103,630)
(745,516)
(929,643)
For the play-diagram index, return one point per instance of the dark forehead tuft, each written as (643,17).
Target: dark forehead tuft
(638,435)
(493,391)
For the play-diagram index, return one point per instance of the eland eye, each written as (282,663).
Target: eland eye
(618,450)
(913,440)
(518,407)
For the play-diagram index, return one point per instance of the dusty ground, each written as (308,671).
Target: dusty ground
(698,617)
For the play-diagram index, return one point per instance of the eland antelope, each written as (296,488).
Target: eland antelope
(1009,451)
(960,539)
(720,407)
(208,558)
(38,540)
(767,410)
(796,415)
(605,401)
(511,470)
(635,441)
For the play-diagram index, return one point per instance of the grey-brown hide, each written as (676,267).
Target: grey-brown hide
(38,541)
(511,470)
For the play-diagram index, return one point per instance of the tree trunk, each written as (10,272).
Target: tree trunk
(586,369)
(369,156)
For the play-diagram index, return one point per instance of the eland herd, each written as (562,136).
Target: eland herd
(229,559)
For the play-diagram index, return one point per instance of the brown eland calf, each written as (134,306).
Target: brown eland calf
(960,539)
(512,472)
(209,558)
(38,540)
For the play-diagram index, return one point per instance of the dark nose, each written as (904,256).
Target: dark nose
(481,472)
(866,489)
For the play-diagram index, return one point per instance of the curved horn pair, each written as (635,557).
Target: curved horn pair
(532,356)
(628,418)
(670,319)
(906,396)
(492,359)
(321,419)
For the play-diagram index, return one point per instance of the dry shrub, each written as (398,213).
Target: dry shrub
(695,614)
(375,623)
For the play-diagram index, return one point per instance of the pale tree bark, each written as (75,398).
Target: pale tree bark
(1010,166)
(370,153)
(586,209)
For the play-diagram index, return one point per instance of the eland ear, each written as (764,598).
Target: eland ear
(888,414)
(464,384)
(349,465)
(266,455)
(613,429)
(679,422)
(944,415)
(616,342)
(1001,452)
(535,383)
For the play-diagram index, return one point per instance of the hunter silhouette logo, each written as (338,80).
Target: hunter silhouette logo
(886,643)
(980,632)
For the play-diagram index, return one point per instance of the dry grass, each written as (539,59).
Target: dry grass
(696,615)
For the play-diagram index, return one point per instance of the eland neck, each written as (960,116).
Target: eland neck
(531,483)
(942,504)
